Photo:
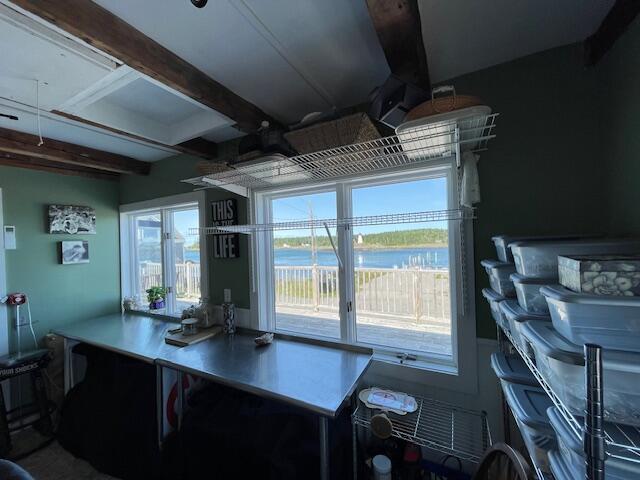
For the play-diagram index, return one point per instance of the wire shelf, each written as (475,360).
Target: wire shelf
(390,219)
(629,451)
(437,425)
(413,146)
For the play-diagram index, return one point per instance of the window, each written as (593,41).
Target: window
(393,286)
(160,249)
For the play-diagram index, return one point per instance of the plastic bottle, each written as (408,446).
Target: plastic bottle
(381,467)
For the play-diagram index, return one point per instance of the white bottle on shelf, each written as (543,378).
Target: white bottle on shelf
(381,467)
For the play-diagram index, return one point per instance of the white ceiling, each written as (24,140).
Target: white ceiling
(288,57)
(65,130)
(463,36)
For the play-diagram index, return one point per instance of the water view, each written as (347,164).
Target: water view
(427,257)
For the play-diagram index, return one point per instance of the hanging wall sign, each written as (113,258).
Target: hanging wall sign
(225,213)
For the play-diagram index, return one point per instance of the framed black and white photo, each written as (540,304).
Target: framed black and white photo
(74,251)
(72,219)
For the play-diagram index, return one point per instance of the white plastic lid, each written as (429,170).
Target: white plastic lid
(513,311)
(382,464)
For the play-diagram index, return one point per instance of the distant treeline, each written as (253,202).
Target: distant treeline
(401,238)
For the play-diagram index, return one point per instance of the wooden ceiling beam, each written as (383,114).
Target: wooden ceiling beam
(612,27)
(110,34)
(25,144)
(30,163)
(399,29)
(198,147)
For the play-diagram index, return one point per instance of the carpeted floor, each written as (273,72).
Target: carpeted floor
(55,463)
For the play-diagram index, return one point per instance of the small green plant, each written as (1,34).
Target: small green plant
(156,293)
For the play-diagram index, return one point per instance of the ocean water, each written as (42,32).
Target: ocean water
(432,257)
(428,257)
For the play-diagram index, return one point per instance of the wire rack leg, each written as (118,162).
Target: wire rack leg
(324,448)
(594,418)
(354,446)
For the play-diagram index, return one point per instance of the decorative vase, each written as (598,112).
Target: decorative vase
(156,304)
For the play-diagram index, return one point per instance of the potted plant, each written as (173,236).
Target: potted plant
(155,296)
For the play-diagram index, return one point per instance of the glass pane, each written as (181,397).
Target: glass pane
(148,235)
(186,248)
(402,297)
(305,269)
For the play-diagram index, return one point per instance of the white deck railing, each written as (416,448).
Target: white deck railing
(415,293)
(187,282)
(419,294)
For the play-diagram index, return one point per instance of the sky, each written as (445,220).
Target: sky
(406,197)
(183,220)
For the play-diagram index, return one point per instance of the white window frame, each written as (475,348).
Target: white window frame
(457,371)
(166,206)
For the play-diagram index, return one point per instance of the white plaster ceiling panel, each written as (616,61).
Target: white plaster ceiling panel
(33,53)
(463,36)
(288,57)
(66,130)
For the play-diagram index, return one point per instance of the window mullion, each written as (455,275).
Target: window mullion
(168,263)
(345,275)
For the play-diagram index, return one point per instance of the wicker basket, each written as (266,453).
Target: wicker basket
(354,128)
(210,168)
(444,104)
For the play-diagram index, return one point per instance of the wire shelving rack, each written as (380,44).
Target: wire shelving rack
(412,147)
(629,451)
(437,425)
(389,219)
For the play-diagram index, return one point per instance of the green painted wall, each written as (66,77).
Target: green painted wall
(558,154)
(163,181)
(61,293)
(619,72)
(542,174)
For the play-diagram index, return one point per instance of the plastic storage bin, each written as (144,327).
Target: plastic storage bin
(559,468)
(512,369)
(528,293)
(540,259)
(569,457)
(611,322)
(499,273)
(502,242)
(516,316)
(494,299)
(529,406)
(561,364)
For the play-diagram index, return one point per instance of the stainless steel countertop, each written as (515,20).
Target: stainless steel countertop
(135,335)
(317,376)
(310,375)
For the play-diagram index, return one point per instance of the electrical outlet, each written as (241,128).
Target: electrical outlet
(227,295)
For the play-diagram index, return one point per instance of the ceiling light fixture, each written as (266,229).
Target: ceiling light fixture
(199,3)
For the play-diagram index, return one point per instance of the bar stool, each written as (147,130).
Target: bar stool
(14,365)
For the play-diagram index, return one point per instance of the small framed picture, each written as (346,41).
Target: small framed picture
(72,219)
(74,251)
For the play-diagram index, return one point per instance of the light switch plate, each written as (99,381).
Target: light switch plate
(9,237)
(227,295)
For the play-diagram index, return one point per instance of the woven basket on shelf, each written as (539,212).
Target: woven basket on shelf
(444,104)
(210,168)
(354,128)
